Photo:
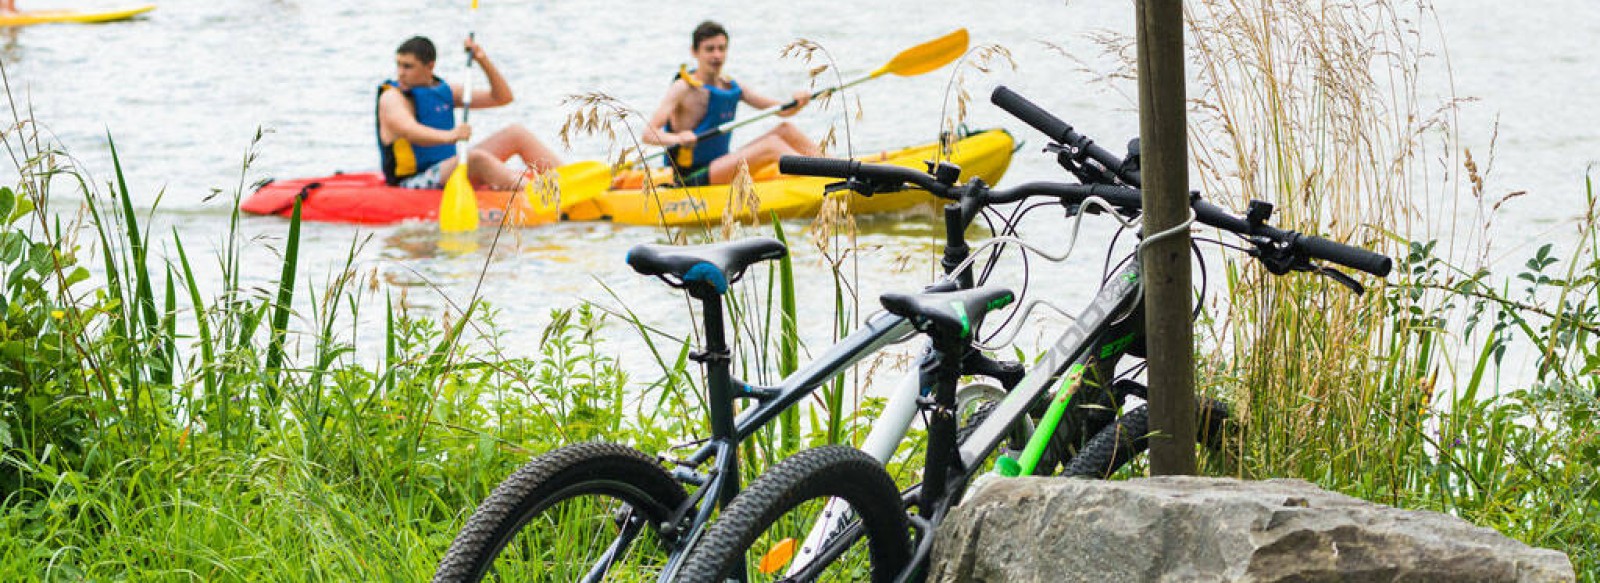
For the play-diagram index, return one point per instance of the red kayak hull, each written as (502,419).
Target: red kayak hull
(365,198)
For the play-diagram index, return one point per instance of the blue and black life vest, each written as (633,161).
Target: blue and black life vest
(720,109)
(435,108)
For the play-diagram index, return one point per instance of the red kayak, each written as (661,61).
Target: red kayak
(365,198)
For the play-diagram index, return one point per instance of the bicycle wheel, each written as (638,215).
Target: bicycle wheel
(762,530)
(1119,442)
(583,512)
(1094,408)
(975,402)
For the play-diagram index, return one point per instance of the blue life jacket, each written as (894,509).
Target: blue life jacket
(719,110)
(435,108)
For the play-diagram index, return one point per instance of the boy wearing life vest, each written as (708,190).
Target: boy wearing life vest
(417,129)
(703,99)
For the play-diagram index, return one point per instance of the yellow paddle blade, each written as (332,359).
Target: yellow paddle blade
(927,56)
(779,555)
(583,181)
(458,208)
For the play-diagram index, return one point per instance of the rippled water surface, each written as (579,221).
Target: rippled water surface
(184,91)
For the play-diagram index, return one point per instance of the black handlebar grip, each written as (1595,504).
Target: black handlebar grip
(1352,257)
(1034,115)
(810,166)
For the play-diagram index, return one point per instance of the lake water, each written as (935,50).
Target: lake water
(184,91)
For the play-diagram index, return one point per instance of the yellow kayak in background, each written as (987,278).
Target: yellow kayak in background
(984,154)
(26,18)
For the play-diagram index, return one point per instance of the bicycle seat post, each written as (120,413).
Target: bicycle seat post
(705,271)
(717,359)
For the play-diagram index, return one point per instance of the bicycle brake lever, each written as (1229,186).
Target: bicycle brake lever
(1341,277)
(862,187)
(833,187)
(1277,260)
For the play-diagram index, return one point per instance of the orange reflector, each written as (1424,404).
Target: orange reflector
(777,556)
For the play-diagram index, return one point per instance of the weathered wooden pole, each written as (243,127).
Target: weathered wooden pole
(1163,140)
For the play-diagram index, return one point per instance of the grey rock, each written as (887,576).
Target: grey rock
(1211,529)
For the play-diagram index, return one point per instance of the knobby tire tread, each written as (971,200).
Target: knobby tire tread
(622,471)
(826,472)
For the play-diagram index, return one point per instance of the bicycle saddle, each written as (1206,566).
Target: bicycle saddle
(715,264)
(950,312)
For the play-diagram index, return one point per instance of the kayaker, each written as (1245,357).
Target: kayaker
(702,99)
(8,6)
(417,129)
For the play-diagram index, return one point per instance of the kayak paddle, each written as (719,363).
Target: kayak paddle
(458,208)
(586,184)
(916,60)
(578,182)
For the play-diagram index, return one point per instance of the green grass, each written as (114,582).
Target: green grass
(154,427)
(236,445)
(1316,108)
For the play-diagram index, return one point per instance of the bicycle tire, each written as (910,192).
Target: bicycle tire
(1129,436)
(811,476)
(1094,408)
(569,474)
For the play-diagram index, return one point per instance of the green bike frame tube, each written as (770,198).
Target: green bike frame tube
(1047,426)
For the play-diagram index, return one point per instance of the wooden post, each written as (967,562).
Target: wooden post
(1163,141)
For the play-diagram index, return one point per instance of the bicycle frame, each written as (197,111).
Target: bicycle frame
(880,330)
(950,469)
(721,480)
(1112,304)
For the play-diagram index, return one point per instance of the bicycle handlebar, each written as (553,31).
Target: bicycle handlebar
(825,167)
(1124,197)
(1310,246)
(1059,131)
(853,170)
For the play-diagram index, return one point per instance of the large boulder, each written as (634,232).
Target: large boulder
(1210,529)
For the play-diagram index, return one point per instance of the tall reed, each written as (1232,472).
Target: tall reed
(1318,108)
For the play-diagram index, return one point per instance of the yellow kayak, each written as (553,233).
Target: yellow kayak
(26,18)
(984,154)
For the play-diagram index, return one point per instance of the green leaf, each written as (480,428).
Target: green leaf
(12,244)
(24,206)
(78,275)
(8,202)
(41,258)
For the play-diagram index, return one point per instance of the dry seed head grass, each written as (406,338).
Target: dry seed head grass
(834,222)
(809,53)
(981,59)
(744,203)
(598,113)
(1314,107)
(594,114)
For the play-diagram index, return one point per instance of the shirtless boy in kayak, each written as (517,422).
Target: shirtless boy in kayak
(702,99)
(417,129)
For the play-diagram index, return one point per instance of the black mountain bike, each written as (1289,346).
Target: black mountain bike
(601,511)
(890,533)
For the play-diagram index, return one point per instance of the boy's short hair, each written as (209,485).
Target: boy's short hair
(706,30)
(419,47)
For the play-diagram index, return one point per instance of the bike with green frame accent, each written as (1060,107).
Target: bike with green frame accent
(642,512)
(754,538)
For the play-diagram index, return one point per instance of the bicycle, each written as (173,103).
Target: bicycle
(641,507)
(881,519)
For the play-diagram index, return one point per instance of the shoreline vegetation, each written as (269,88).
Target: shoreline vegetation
(156,428)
